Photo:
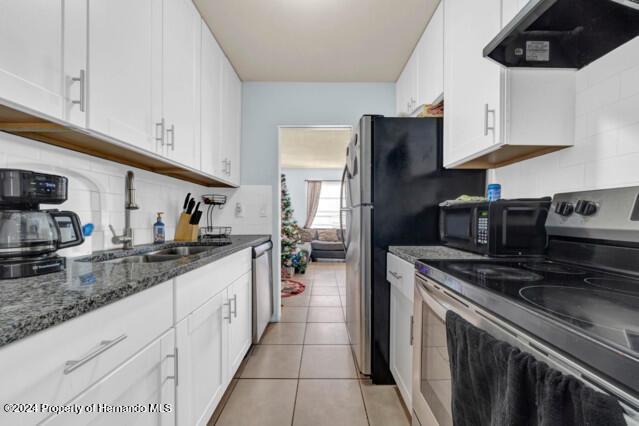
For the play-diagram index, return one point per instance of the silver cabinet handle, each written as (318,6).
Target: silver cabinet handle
(159,130)
(227,166)
(171,130)
(104,346)
(412,325)
(175,366)
(396,275)
(235,306)
(229,318)
(230,163)
(488,111)
(82,81)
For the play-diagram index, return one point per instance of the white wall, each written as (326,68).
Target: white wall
(96,193)
(296,182)
(606,151)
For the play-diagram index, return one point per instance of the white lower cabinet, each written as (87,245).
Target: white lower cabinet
(240,325)
(400,275)
(58,364)
(144,385)
(202,347)
(163,356)
(213,333)
(211,343)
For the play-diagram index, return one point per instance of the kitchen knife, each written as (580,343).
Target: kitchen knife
(197,207)
(189,209)
(186,201)
(195,217)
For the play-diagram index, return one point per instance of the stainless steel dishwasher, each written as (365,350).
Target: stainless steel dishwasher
(262,288)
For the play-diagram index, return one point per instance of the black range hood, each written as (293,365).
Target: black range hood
(564,33)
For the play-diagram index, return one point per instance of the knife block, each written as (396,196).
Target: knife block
(184,231)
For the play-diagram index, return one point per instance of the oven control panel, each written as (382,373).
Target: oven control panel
(606,214)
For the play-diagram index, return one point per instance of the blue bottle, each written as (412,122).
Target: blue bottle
(158,229)
(494,192)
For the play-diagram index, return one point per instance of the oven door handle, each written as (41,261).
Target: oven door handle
(428,297)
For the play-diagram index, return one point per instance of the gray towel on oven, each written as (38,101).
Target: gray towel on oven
(496,384)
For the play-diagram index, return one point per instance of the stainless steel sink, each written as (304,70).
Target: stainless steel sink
(181,251)
(143,258)
(164,255)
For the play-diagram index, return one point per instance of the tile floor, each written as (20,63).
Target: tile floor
(303,372)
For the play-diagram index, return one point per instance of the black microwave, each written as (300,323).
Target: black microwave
(499,228)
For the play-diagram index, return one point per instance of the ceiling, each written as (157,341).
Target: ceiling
(317,40)
(313,147)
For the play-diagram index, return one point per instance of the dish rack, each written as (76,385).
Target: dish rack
(211,232)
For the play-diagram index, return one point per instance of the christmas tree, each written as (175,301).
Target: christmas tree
(290,230)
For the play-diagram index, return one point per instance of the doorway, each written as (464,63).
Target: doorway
(311,162)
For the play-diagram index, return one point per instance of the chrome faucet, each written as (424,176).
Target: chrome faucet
(129,204)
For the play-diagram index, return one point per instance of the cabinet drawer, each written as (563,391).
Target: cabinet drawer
(146,379)
(196,287)
(400,274)
(38,366)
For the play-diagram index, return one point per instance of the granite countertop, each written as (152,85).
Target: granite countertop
(29,305)
(413,253)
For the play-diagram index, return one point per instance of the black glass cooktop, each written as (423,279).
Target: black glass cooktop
(602,305)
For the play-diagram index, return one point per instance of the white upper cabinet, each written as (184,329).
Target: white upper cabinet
(471,82)
(211,104)
(125,71)
(181,81)
(408,86)
(431,59)
(75,62)
(40,61)
(496,116)
(422,79)
(229,157)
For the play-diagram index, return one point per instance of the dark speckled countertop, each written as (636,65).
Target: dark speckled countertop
(32,304)
(413,253)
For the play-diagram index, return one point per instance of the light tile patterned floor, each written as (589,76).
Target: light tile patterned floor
(303,372)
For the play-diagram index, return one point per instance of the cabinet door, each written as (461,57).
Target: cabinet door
(240,330)
(401,352)
(125,71)
(231,123)
(146,380)
(472,84)
(211,102)
(31,54)
(510,8)
(431,59)
(75,62)
(407,86)
(181,81)
(202,344)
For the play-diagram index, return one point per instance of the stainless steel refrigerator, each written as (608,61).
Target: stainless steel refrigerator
(392,184)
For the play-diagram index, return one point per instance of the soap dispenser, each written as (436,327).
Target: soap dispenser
(158,229)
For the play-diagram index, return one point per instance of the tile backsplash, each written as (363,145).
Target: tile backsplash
(96,194)
(606,151)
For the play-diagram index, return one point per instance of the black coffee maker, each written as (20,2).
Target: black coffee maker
(29,237)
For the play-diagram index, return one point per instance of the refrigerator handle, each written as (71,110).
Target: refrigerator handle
(342,209)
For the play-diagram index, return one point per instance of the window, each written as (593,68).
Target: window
(327,215)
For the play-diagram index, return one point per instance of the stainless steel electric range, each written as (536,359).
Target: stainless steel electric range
(577,308)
